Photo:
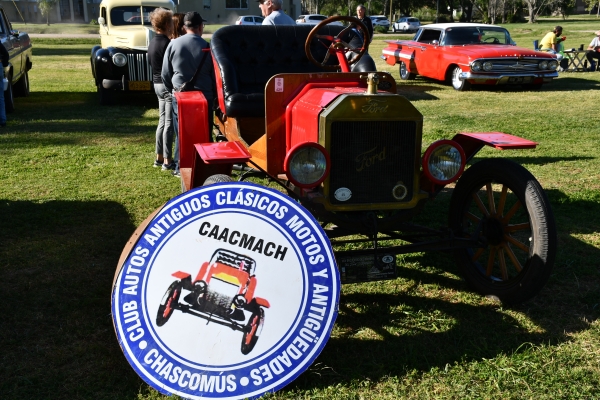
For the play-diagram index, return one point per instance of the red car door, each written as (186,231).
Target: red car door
(428,52)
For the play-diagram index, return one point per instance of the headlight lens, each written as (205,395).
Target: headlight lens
(119,59)
(444,161)
(476,66)
(552,65)
(487,66)
(543,65)
(307,164)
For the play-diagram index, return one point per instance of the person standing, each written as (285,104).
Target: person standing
(361,14)
(162,22)
(177,25)
(271,10)
(183,57)
(4,57)
(593,52)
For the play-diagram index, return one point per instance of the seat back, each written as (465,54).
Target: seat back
(246,57)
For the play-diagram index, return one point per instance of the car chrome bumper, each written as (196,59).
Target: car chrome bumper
(506,78)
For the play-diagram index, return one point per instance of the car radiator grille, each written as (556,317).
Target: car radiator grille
(370,158)
(139,67)
(514,65)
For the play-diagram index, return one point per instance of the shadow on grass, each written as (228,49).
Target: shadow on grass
(458,332)
(57,264)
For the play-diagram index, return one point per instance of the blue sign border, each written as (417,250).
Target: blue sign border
(150,357)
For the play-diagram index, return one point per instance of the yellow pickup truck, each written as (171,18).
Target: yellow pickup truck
(121,62)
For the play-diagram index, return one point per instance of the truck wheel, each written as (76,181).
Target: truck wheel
(106,96)
(168,303)
(502,203)
(216,179)
(456,82)
(22,86)
(404,74)
(251,331)
(9,100)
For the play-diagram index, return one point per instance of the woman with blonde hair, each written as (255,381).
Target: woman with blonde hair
(162,22)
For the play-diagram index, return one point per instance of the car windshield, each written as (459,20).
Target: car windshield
(318,17)
(131,15)
(476,35)
(412,20)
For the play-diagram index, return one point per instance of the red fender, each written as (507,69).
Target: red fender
(262,302)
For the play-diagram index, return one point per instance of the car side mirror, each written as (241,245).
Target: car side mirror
(435,42)
(101,21)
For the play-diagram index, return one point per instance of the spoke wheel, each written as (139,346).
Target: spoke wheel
(252,331)
(168,303)
(504,204)
(457,84)
(405,75)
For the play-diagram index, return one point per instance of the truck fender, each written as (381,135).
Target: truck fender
(96,64)
(92,57)
(473,142)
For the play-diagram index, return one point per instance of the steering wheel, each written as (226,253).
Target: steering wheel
(493,40)
(336,44)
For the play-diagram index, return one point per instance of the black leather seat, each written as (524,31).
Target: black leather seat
(248,56)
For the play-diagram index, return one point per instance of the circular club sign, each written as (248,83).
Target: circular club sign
(230,292)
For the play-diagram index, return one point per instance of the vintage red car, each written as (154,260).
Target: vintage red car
(466,54)
(349,148)
(222,292)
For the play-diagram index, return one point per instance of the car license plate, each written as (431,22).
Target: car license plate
(139,85)
(366,267)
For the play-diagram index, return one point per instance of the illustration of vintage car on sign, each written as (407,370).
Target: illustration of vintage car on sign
(222,292)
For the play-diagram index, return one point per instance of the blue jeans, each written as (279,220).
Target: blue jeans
(164,131)
(2,109)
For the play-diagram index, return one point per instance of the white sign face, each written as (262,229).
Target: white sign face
(231,292)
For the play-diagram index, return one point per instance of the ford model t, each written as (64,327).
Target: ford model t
(337,138)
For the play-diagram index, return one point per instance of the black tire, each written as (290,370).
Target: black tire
(404,74)
(504,203)
(106,96)
(9,98)
(457,84)
(21,88)
(216,179)
(168,303)
(252,331)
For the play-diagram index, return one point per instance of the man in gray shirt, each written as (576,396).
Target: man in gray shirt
(182,58)
(271,10)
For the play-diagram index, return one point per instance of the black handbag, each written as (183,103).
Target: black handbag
(189,85)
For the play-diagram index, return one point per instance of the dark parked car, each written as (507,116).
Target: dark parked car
(18,46)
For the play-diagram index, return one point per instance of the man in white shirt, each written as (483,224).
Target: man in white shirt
(271,10)
(593,52)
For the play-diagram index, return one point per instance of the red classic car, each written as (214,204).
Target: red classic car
(466,54)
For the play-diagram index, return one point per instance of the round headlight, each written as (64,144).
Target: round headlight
(487,66)
(119,59)
(552,65)
(543,65)
(476,66)
(444,161)
(307,164)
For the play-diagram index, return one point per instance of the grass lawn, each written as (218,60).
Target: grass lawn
(77,178)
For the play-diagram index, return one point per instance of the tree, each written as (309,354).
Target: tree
(45,7)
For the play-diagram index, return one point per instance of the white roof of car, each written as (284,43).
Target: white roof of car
(459,25)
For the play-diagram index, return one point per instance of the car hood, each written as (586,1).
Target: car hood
(495,51)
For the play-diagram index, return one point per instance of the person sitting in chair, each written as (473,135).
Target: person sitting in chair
(593,52)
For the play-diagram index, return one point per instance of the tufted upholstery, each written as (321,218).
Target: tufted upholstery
(248,56)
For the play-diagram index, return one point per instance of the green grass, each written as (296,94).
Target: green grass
(77,179)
